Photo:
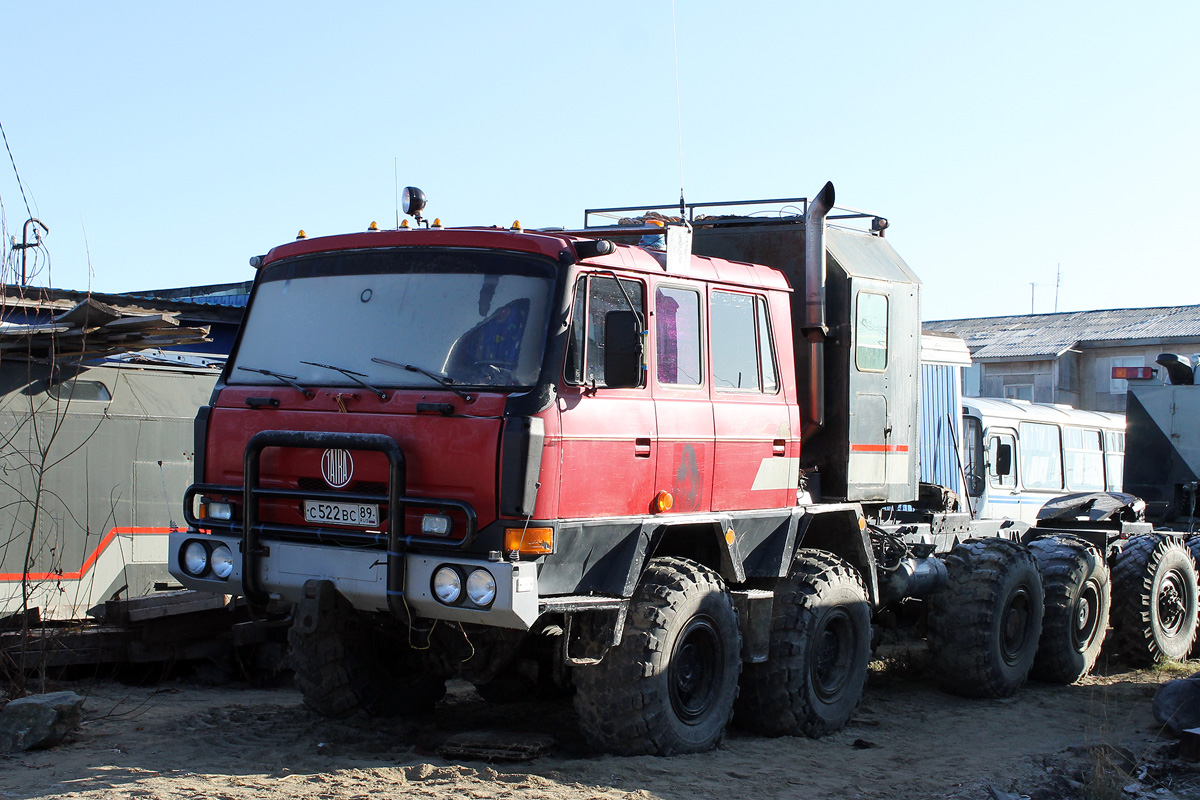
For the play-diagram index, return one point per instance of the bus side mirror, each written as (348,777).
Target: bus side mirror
(1003,459)
(622,350)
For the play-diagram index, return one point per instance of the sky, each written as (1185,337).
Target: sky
(1012,146)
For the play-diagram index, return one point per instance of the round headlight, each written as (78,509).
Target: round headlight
(481,587)
(222,561)
(195,558)
(447,585)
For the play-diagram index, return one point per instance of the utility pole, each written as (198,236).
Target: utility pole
(26,244)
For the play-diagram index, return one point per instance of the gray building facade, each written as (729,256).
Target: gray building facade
(1068,357)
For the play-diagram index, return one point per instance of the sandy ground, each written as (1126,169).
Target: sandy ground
(908,741)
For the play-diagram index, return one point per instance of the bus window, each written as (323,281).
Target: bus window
(1114,460)
(1041,456)
(1083,460)
(996,441)
(973,455)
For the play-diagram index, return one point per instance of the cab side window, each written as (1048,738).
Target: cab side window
(595,297)
(742,354)
(871,332)
(677,336)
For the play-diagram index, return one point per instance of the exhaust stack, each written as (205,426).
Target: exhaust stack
(813,327)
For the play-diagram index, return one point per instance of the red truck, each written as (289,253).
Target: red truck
(636,462)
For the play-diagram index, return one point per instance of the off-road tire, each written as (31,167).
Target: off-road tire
(669,686)
(812,680)
(984,624)
(1193,546)
(1078,599)
(345,665)
(1154,599)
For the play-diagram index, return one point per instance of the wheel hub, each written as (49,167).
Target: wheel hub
(834,655)
(694,673)
(1014,626)
(1171,608)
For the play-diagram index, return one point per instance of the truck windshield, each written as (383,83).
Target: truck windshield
(426,316)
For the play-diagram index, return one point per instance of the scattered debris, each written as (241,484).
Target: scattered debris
(1177,704)
(41,720)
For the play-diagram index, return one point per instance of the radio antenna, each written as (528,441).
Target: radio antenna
(678,111)
(396,183)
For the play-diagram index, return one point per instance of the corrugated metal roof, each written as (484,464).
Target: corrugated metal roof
(1043,336)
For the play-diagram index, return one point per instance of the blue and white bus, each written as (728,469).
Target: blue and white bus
(1019,455)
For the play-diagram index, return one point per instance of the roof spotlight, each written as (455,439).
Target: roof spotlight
(412,201)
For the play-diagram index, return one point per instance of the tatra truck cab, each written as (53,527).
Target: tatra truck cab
(653,461)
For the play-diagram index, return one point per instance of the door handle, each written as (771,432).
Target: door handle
(778,447)
(641,447)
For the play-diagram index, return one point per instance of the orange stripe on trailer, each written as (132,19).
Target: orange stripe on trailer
(878,448)
(87,562)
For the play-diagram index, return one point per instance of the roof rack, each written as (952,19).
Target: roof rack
(777,212)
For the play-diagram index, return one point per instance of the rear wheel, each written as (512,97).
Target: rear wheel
(1155,599)
(984,624)
(812,680)
(1078,598)
(669,686)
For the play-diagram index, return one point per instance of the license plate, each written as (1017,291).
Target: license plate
(359,515)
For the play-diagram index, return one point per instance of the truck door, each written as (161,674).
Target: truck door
(609,438)
(681,400)
(752,468)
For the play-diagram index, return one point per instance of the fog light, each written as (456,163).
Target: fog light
(194,559)
(447,585)
(481,587)
(435,525)
(222,561)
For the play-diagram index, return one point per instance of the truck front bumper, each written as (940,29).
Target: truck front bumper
(361,577)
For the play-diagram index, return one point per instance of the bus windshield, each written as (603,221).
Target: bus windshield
(398,317)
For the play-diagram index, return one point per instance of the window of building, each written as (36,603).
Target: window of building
(1083,459)
(1041,456)
(595,296)
(742,358)
(1120,385)
(1019,391)
(677,335)
(871,332)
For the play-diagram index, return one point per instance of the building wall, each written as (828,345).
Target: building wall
(1080,379)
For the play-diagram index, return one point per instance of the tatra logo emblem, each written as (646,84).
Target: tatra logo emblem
(337,467)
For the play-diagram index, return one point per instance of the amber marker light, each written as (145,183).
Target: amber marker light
(529,541)
(301,234)
(516,226)
(663,501)
(374,226)
(729,536)
(403,224)
(437,222)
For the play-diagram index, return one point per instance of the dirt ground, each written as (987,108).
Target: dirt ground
(908,741)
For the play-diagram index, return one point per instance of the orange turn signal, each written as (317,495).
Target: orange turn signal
(663,501)
(529,541)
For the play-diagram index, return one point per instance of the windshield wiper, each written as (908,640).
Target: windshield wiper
(443,380)
(357,377)
(290,380)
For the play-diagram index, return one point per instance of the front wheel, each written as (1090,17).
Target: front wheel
(812,680)
(1155,594)
(984,624)
(669,686)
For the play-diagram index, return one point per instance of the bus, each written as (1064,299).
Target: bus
(1019,455)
